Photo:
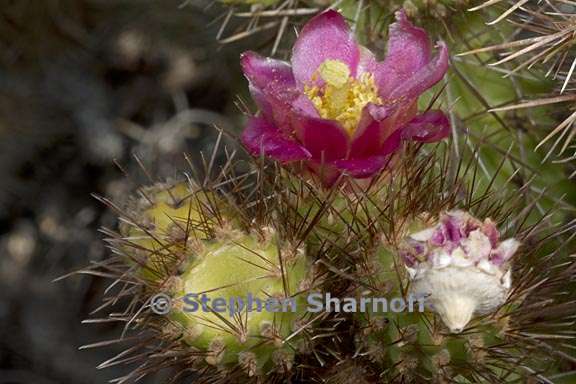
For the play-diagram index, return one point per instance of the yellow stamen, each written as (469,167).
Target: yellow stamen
(342,97)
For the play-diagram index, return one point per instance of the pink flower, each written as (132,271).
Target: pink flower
(338,109)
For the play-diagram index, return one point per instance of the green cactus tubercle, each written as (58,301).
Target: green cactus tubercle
(236,293)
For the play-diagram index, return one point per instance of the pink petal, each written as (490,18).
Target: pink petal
(273,88)
(377,124)
(266,73)
(505,251)
(490,230)
(438,237)
(408,51)
(428,127)
(271,85)
(270,80)
(261,101)
(327,173)
(362,168)
(369,166)
(371,131)
(262,138)
(409,259)
(303,105)
(325,139)
(425,78)
(451,226)
(471,224)
(324,37)
(279,111)
(367,62)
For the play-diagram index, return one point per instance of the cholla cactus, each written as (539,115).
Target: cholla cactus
(421,223)
(460,267)
(258,281)
(478,286)
(221,287)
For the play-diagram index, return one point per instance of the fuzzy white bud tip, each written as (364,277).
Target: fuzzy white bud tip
(460,266)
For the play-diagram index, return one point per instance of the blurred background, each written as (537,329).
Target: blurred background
(85,84)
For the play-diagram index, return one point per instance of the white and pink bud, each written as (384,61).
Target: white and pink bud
(460,266)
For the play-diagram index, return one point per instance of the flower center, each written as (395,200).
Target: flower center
(342,97)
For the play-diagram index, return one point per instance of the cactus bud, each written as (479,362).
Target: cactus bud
(460,266)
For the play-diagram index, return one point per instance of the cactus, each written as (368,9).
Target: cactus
(477,227)
(163,222)
(237,266)
(420,346)
(435,345)
(352,240)
(235,289)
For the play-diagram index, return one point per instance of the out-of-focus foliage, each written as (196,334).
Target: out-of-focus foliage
(85,83)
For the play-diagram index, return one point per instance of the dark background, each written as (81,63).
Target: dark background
(84,83)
